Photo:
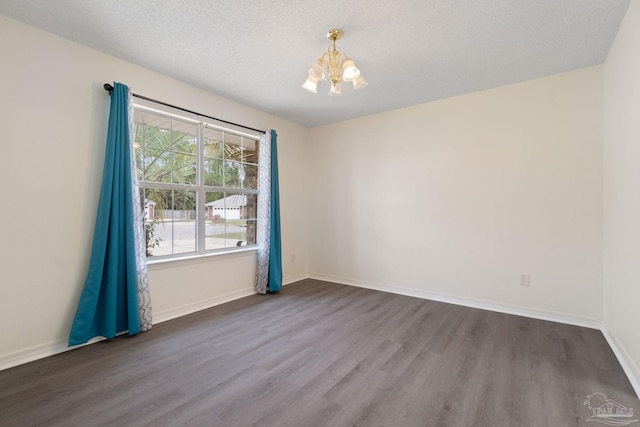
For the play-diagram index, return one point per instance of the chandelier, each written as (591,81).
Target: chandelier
(334,66)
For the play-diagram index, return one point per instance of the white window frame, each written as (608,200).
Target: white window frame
(199,187)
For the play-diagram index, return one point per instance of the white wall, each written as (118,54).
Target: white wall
(457,198)
(622,190)
(53,112)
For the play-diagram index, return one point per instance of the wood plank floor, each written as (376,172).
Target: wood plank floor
(321,354)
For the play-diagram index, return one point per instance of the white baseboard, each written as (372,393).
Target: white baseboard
(212,302)
(295,279)
(39,352)
(629,367)
(467,302)
(174,313)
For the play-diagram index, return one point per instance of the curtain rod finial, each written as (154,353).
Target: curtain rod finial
(108,87)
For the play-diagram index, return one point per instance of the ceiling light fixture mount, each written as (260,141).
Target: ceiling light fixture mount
(334,66)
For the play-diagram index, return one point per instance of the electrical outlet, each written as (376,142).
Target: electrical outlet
(525,280)
(293,257)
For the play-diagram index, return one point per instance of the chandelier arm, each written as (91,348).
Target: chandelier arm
(325,65)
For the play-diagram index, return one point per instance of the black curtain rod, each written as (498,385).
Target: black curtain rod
(109,88)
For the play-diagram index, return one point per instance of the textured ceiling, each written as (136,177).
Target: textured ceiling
(410,51)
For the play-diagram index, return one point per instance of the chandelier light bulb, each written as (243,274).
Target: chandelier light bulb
(359,83)
(336,89)
(349,71)
(311,84)
(317,70)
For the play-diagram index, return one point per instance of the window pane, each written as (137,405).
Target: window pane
(212,144)
(236,233)
(151,221)
(213,172)
(227,222)
(250,151)
(152,120)
(184,221)
(184,137)
(184,169)
(183,146)
(233,174)
(251,230)
(171,228)
(215,223)
(250,177)
(251,207)
(158,165)
(235,214)
(154,137)
(232,147)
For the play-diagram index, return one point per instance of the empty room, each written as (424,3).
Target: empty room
(292,213)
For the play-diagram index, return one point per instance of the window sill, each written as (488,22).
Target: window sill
(157,264)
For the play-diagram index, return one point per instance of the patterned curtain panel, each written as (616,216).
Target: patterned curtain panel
(115,296)
(142,282)
(269,270)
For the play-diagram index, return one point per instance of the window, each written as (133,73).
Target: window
(198,184)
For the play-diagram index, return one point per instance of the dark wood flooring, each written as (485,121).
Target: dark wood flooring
(321,354)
